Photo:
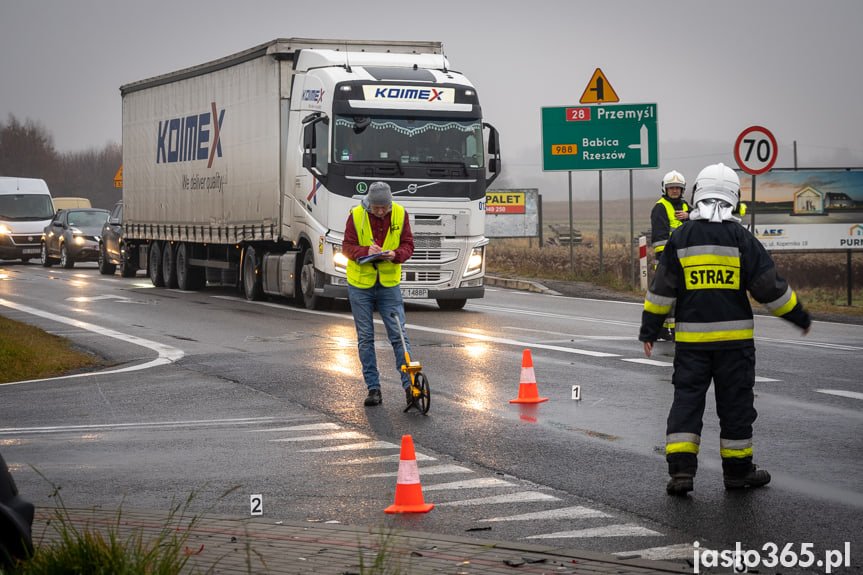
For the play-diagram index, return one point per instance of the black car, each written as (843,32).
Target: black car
(112,249)
(73,236)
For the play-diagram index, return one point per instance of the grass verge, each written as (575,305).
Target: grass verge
(27,352)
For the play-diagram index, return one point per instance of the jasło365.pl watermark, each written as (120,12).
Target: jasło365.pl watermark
(770,556)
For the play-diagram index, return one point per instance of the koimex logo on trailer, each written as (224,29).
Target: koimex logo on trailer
(409,94)
(190,138)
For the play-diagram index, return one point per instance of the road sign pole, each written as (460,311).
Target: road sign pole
(571,235)
(631,233)
(752,213)
(600,223)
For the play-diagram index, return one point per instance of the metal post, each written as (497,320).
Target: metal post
(631,232)
(752,213)
(850,277)
(571,248)
(600,222)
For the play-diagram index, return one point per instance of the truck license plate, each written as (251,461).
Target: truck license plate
(415,293)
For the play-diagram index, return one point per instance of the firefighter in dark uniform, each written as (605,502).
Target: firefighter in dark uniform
(669,212)
(708,266)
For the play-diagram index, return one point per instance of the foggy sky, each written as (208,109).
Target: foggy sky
(713,68)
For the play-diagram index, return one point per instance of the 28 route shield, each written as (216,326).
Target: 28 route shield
(608,137)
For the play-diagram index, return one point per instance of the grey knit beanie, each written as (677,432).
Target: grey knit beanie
(379,195)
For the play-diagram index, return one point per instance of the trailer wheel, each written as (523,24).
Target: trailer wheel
(154,264)
(169,265)
(253,287)
(189,278)
(306,296)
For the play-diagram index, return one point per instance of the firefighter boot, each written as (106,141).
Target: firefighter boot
(679,485)
(754,478)
(681,468)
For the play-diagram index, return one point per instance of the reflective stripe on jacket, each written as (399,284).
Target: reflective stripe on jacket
(707,270)
(390,273)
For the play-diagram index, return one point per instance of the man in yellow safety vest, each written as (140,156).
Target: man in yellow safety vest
(669,212)
(377,241)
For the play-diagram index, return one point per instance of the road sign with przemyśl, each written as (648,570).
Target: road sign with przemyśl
(610,137)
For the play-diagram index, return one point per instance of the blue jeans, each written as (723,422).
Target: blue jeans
(388,300)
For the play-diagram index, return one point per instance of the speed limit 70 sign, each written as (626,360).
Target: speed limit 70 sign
(755,150)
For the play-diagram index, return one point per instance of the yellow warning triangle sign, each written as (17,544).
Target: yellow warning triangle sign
(598,90)
(118,178)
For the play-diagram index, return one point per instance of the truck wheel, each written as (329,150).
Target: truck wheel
(106,268)
(253,287)
(451,304)
(169,265)
(306,296)
(154,264)
(66,260)
(189,277)
(128,269)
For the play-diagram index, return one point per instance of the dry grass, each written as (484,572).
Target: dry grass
(27,352)
(820,279)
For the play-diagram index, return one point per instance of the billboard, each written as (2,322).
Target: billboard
(512,213)
(805,209)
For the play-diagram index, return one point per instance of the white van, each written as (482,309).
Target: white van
(25,209)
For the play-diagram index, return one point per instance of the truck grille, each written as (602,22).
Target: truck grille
(433,256)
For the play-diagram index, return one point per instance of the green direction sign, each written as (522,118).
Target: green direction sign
(606,137)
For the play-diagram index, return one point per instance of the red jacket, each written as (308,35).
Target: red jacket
(353,250)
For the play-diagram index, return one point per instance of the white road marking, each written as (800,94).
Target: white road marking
(166,353)
(140,425)
(520,497)
(623,530)
(470,484)
(646,361)
(338,435)
(353,446)
(381,459)
(578,512)
(310,427)
(841,393)
(431,470)
(679,551)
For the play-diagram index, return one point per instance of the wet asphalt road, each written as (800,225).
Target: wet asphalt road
(220,392)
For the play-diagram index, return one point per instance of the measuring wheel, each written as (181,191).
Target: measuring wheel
(423,400)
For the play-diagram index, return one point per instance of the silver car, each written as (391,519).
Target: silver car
(73,236)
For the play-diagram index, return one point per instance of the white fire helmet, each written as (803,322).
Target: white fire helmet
(718,182)
(673,178)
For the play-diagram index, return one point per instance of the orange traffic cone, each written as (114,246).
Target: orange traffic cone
(409,493)
(527,391)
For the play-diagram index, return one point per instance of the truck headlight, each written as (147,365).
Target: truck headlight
(340,260)
(474,262)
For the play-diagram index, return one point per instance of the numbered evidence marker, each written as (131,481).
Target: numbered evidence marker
(256,504)
(576,392)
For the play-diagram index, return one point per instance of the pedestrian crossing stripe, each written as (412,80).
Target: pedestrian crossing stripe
(623,530)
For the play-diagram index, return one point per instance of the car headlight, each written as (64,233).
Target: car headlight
(79,240)
(4,230)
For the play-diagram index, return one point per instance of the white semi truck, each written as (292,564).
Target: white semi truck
(243,170)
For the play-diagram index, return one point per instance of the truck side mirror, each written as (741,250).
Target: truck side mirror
(494,163)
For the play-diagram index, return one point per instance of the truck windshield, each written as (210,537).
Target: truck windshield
(25,207)
(408,141)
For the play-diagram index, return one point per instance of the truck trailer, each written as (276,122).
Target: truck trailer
(243,170)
